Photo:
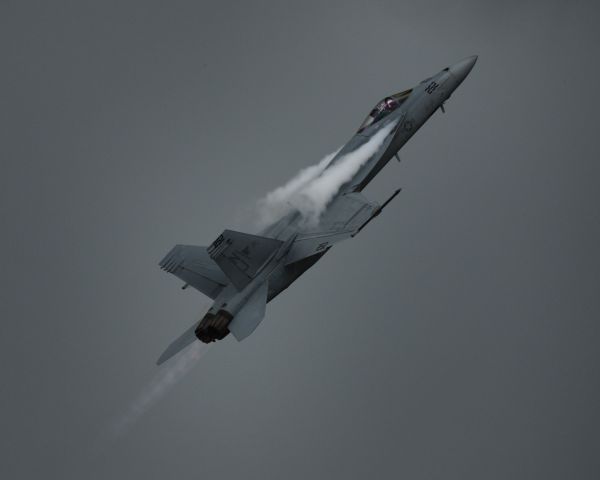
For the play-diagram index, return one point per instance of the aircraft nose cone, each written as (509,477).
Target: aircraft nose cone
(461,69)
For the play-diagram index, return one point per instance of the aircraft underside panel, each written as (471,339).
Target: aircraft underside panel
(290,273)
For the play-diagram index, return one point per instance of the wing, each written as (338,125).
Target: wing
(342,219)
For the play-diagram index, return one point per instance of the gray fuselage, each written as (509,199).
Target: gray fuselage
(422,101)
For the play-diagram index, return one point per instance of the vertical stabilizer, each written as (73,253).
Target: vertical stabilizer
(251,314)
(240,255)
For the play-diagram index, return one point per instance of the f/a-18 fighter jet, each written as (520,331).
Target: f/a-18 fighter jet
(242,272)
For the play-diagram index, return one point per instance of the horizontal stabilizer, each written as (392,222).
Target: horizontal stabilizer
(240,255)
(194,266)
(186,338)
(248,318)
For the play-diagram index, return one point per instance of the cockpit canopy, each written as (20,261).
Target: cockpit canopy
(384,108)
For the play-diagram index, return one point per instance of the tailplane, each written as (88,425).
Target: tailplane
(216,327)
(194,266)
(186,338)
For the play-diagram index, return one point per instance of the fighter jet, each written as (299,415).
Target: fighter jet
(243,272)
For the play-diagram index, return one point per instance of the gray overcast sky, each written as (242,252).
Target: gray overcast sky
(456,337)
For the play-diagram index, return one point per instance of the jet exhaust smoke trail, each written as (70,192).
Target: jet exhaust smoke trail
(164,380)
(314,187)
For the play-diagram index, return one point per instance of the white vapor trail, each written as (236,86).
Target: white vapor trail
(276,204)
(313,199)
(164,380)
(313,188)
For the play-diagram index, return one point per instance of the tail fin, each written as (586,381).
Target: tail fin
(194,266)
(251,314)
(240,255)
(242,325)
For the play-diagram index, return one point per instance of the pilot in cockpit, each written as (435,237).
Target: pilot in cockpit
(387,105)
(390,103)
(384,108)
